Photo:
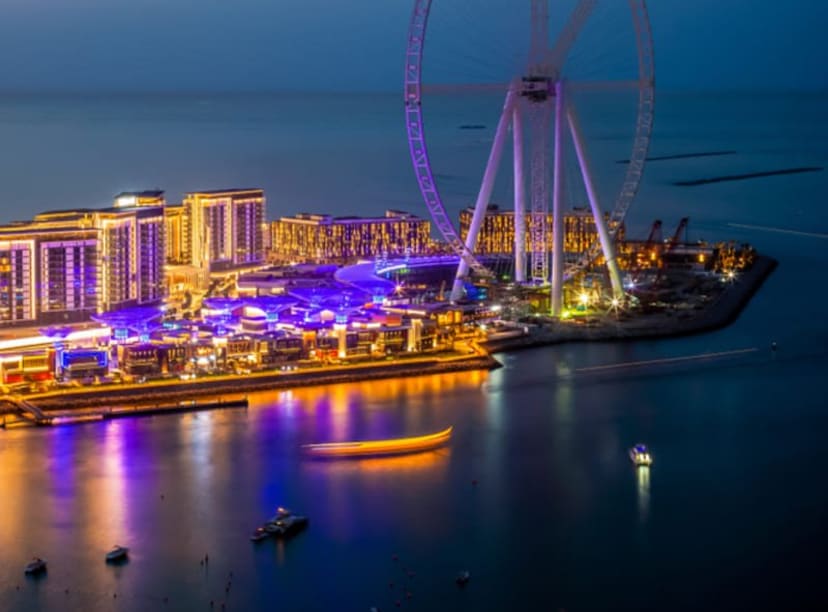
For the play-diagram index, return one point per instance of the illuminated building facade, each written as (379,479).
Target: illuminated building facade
(225,228)
(17,299)
(176,234)
(324,238)
(497,234)
(63,266)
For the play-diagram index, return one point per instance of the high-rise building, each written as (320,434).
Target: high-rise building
(324,238)
(225,228)
(497,234)
(63,266)
(17,298)
(49,272)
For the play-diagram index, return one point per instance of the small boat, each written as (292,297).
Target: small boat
(118,553)
(287,526)
(35,566)
(640,456)
(393,446)
(463,578)
(260,534)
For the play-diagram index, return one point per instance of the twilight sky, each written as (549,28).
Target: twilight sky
(342,45)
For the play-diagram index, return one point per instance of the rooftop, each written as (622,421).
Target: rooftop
(153,193)
(229,191)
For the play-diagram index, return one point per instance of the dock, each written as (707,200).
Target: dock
(28,413)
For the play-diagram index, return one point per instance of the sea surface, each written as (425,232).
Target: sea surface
(535,495)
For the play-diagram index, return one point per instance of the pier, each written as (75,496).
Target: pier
(28,413)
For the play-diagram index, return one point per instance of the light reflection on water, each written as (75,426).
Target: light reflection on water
(642,475)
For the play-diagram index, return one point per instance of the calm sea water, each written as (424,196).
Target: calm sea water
(731,515)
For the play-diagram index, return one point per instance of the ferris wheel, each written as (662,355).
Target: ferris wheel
(547,79)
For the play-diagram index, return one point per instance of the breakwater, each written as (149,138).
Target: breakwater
(747,176)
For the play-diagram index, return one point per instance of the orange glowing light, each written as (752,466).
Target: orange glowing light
(393,446)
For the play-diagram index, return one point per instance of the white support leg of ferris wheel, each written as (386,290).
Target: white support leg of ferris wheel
(485,192)
(540,114)
(603,234)
(520,196)
(557,205)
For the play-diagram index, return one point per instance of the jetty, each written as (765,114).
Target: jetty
(28,413)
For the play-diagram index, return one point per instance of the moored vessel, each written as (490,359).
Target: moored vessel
(117,553)
(35,566)
(640,456)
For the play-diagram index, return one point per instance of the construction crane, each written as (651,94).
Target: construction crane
(671,244)
(653,238)
(682,227)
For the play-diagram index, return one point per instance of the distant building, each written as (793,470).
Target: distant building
(225,228)
(63,266)
(324,238)
(497,234)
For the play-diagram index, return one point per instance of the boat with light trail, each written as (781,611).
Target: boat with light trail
(369,448)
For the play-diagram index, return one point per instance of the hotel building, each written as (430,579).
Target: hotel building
(497,234)
(324,238)
(223,229)
(63,266)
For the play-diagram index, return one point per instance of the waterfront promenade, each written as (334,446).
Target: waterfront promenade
(152,393)
(149,395)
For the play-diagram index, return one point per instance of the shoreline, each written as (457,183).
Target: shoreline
(145,399)
(716,315)
(171,391)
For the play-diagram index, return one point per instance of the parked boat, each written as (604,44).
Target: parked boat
(118,553)
(393,446)
(640,456)
(35,566)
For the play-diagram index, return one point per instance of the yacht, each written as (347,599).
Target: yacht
(287,526)
(640,456)
(117,553)
(35,566)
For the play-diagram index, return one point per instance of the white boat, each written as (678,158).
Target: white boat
(117,553)
(35,566)
(640,456)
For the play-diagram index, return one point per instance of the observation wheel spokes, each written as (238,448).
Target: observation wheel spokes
(535,96)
